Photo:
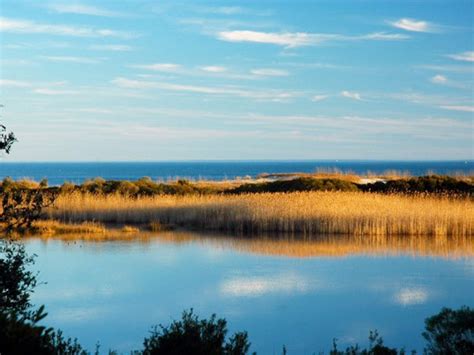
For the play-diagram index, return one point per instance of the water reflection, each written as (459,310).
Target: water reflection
(411,296)
(302,247)
(282,290)
(289,283)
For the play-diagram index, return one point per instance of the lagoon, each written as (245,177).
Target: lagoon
(296,292)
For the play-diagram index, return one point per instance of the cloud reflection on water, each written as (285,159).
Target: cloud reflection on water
(409,296)
(256,286)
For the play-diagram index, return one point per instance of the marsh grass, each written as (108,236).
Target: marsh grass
(130,229)
(54,227)
(311,213)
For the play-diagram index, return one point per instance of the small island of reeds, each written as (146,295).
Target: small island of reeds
(308,204)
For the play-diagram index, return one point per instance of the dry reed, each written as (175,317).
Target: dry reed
(351,213)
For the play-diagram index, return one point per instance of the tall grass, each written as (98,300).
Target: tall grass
(351,213)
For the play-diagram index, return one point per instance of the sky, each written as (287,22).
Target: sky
(136,80)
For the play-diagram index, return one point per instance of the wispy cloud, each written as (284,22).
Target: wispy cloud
(351,95)
(439,79)
(222,10)
(47,91)
(264,95)
(161,67)
(111,47)
(26,26)
(214,69)
(413,25)
(465,56)
(448,68)
(317,98)
(80,9)
(80,60)
(428,100)
(14,83)
(458,108)
(444,80)
(269,72)
(299,39)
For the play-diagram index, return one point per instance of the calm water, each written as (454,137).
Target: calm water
(301,294)
(57,173)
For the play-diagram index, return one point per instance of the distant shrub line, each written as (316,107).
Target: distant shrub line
(431,184)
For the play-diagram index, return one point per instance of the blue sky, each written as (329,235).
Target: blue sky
(155,80)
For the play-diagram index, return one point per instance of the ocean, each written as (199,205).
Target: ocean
(58,173)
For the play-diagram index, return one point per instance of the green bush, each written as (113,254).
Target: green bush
(450,332)
(423,184)
(191,335)
(294,185)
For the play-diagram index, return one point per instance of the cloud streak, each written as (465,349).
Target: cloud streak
(111,47)
(80,9)
(300,39)
(458,108)
(160,67)
(31,27)
(269,72)
(79,60)
(264,95)
(213,69)
(351,95)
(465,56)
(413,25)
(14,83)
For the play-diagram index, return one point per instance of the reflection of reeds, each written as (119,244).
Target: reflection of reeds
(298,247)
(310,213)
(332,246)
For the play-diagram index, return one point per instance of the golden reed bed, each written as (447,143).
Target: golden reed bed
(350,213)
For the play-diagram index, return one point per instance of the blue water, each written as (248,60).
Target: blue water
(57,173)
(113,292)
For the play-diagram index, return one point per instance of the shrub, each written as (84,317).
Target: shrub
(376,347)
(21,207)
(430,184)
(16,281)
(191,335)
(450,332)
(127,188)
(294,185)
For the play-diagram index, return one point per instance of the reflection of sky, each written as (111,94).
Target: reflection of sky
(114,293)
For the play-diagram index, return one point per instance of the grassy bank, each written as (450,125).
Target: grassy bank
(335,212)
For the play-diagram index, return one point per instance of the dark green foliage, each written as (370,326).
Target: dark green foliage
(423,184)
(298,184)
(142,187)
(191,335)
(21,206)
(16,281)
(19,329)
(6,139)
(24,336)
(376,347)
(450,332)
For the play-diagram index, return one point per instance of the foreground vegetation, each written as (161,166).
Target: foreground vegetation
(448,332)
(349,213)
